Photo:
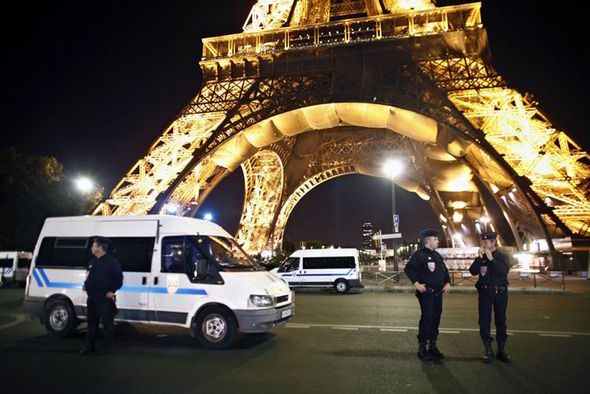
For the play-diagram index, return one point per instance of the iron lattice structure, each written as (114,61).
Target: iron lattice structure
(316,89)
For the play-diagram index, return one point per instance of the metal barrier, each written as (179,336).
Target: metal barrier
(540,278)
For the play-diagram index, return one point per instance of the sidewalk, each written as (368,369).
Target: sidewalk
(382,282)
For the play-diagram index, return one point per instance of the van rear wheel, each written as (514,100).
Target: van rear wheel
(341,286)
(60,319)
(215,328)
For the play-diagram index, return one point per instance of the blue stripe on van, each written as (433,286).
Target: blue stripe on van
(192,291)
(124,289)
(37,279)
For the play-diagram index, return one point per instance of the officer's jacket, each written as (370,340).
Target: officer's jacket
(427,266)
(104,275)
(492,273)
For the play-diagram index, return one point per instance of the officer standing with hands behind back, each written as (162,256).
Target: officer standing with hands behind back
(429,274)
(103,280)
(492,266)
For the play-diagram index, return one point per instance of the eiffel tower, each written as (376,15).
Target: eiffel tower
(317,89)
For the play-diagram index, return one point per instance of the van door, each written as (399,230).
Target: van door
(133,245)
(290,270)
(175,292)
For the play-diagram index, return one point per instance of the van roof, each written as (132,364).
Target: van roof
(170,224)
(331,252)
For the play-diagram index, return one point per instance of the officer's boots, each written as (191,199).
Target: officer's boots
(423,354)
(501,354)
(488,357)
(433,350)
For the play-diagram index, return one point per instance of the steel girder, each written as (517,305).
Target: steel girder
(432,63)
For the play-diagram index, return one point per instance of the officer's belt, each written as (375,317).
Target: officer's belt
(495,287)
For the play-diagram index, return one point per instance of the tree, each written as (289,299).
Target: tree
(33,188)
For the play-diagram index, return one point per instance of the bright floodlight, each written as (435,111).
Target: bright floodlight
(84,184)
(208,217)
(170,209)
(392,168)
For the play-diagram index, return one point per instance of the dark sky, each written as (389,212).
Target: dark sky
(95,83)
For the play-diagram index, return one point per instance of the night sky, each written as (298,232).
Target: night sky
(94,84)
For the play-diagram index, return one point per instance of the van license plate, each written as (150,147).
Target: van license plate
(286,313)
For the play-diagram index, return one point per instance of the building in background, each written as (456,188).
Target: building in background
(368,242)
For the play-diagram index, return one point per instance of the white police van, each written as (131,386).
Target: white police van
(14,267)
(337,268)
(176,271)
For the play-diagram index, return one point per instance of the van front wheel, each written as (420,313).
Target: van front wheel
(60,319)
(341,286)
(215,328)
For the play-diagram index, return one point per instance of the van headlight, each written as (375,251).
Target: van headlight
(260,301)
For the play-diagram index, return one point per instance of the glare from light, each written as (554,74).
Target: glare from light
(170,209)
(392,168)
(84,184)
(208,216)
(457,217)
(484,219)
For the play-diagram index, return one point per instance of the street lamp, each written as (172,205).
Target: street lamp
(392,168)
(84,185)
(208,216)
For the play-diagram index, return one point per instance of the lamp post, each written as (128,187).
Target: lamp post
(392,168)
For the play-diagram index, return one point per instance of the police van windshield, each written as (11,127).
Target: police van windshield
(225,251)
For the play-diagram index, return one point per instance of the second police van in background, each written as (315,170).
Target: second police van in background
(337,268)
(176,271)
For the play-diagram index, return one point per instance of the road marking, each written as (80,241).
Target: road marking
(556,335)
(19,319)
(449,330)
(289,325)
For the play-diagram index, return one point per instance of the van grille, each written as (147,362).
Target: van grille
(281,299)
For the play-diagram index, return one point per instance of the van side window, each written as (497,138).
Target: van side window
(291,264)
(315,263)
(134,253)
(173,255)
(180,255)
(64,252)
(342,262)
(328,262)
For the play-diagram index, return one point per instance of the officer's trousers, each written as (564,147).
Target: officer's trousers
(431,309)
(101,308)
(496,297)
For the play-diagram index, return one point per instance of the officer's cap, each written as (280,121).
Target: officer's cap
(485,236)
(428,232)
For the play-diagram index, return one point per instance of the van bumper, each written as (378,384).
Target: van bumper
(263,320)
(34,306)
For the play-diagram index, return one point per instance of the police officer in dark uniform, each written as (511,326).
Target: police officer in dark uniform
(492,266)
(429,274)
(103,280)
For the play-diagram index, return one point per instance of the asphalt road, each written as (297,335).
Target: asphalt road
(361,343)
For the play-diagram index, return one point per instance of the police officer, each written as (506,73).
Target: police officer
(103,280)
(429,274)
(492,266)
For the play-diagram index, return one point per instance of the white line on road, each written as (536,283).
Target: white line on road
(449,332)
(19,319)
(297,325)
(555,335)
